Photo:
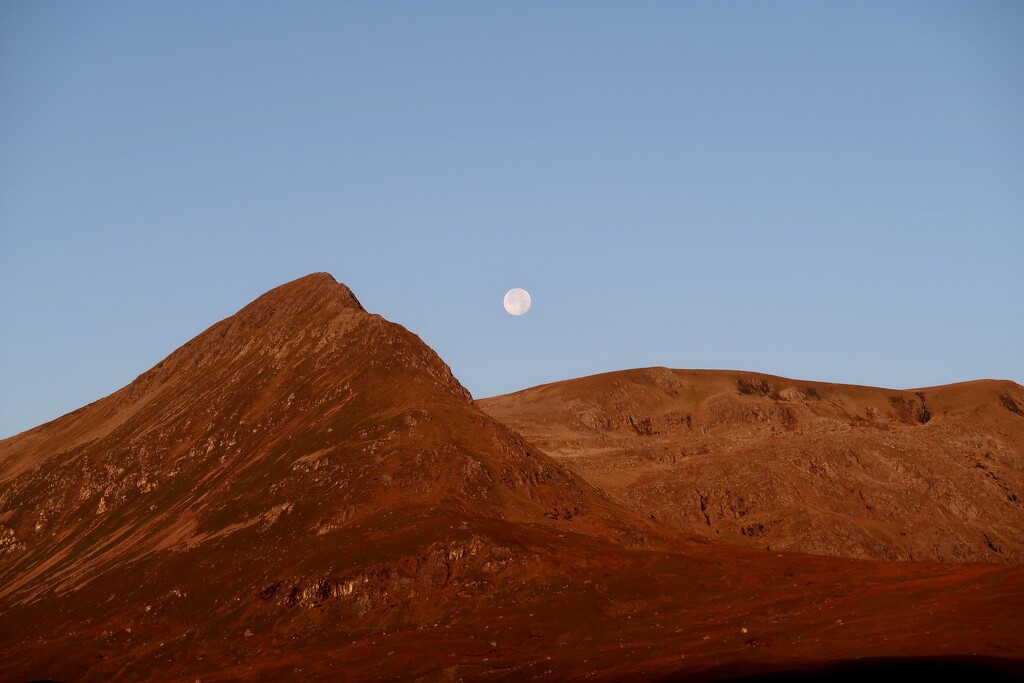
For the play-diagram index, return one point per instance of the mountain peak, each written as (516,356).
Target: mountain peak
(307,294)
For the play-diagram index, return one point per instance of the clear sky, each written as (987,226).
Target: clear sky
(823,190)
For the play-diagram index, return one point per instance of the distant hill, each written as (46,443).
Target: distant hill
(927,474)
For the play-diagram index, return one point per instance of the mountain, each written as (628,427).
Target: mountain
(927,474)
(305,492)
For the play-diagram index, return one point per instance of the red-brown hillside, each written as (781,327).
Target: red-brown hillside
(926,474)
(304,489)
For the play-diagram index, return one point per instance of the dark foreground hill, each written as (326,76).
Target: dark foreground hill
(927,474)
(304,492)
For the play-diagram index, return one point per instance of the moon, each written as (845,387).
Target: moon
(517,301)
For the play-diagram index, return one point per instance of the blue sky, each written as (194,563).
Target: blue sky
(827,191)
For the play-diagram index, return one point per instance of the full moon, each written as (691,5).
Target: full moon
(517,301)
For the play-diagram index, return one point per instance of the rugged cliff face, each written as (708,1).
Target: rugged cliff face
(930,474)
(304,488)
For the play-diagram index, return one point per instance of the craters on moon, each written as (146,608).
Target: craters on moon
(517,301)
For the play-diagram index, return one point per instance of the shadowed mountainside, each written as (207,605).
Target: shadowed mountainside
(927,474)
(304,489)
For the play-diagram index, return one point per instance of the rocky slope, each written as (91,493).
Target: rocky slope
(304,489)
(928,474)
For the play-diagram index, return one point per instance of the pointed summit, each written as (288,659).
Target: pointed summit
(311,323)
(304,295)
(307,305)
(297,419)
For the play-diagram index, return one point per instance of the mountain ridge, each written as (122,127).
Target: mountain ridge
(795,465)
(304,487)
